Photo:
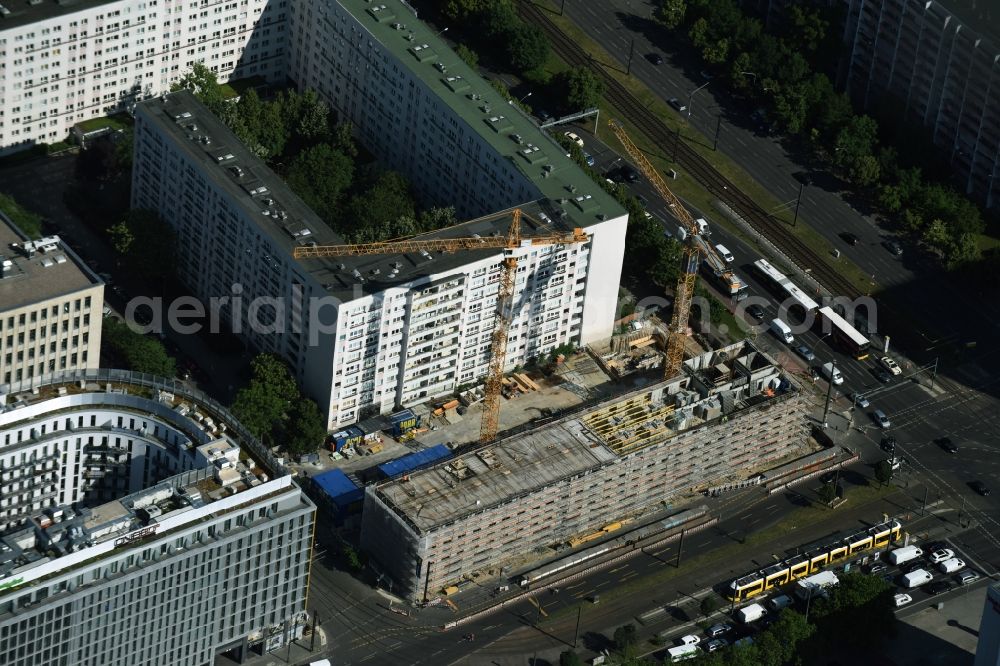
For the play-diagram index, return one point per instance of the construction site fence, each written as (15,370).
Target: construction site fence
(631,551)
(799,479)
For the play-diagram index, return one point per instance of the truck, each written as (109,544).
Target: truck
(750,613)
(815,585)
(904,554)
(917,578)
(683,652)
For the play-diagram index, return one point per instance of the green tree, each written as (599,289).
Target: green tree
(141,353)
(671,13)
(965,250)
(580,88)
(261,405)
(385,211)
(436,218)
(779,644)
(320,175)
(865,171)
(120,235)
(827,493)
(570,658)
(937,236)
(272,133)
(626,638)
(203,82)
(806,28)
(859,606)
(306,427)
(470,57)
(342,138)
(856,140)
(883,471)
(527,47)
(460,11)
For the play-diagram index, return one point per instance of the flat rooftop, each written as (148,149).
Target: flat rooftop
(23,12)
(51,270)
(494,474)
(284,218)
(431,60)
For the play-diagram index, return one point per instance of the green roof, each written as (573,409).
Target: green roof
(512,133)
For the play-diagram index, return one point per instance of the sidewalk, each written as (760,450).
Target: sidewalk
(297,653)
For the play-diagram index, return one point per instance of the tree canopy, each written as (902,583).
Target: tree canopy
(134,351)
(321,175)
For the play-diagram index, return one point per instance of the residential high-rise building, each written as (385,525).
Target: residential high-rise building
(368,334)
(730,414)
(141,524)
(932,64)
(64,62)
(50,308)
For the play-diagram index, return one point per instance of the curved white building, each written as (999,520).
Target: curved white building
(140,524)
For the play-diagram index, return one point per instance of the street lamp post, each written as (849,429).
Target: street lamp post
(829,391)
(691,96)
(802,186)
(521,101)
(718,128)
(631,52)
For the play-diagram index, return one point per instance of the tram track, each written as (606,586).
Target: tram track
(689,159)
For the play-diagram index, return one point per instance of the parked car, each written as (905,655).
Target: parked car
(938,587)
(805,352)
(941,555)
(859,400)
(677,104)
(589,159)
(881,418)
(574,137)
(655,58)
(690,639)
(981,488)
(894,247)
(877,567)
(902,599)
(716,644)
(946,444)
(967,577)
(888,443)
(719,629)
(891,365)
(849,238)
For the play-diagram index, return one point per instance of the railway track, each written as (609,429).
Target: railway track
(688,158)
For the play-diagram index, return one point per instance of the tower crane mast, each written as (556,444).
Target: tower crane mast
(691,253)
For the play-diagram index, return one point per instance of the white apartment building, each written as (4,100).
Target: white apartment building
(368,334)
(50,308)
(62,62)
(933,64)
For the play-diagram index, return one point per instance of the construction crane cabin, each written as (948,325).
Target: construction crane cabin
(692,250)
(505,295)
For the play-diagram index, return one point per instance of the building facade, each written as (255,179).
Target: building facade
(934,68)
(988,649)
(142,525)
(64,62)
(733,413)
(50,308)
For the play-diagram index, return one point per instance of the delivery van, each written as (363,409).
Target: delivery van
(832,373)
(782,331)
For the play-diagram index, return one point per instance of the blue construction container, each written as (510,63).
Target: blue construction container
(349,437)
(403,422)
(413,461)
(341,492)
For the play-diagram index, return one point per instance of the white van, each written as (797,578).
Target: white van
(951,565)
(683,653)
(783,331)
(832,373)
(724,252)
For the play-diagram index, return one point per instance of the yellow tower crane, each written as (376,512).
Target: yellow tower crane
(694,246)
(505,296)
